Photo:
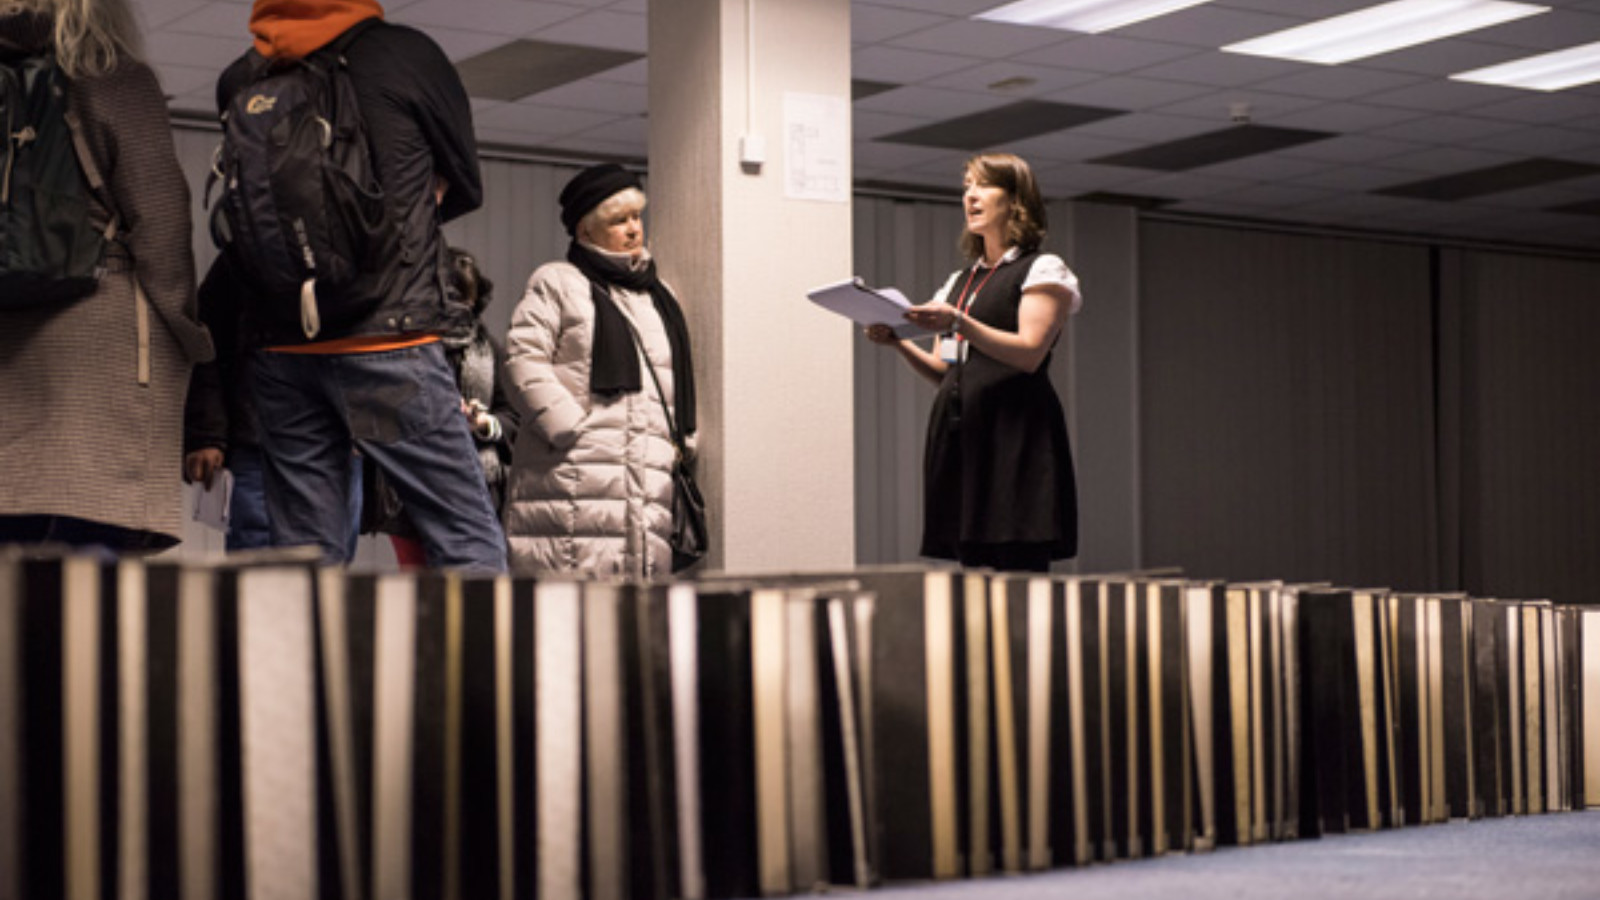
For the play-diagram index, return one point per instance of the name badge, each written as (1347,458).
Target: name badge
(952,349)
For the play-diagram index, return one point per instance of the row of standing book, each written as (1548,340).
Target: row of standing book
(278,729)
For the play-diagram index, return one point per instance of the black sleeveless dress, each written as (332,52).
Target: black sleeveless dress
(997,468)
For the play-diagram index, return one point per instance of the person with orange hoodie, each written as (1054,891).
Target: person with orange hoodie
(378,384)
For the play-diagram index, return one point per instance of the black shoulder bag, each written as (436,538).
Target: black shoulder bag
(689,541)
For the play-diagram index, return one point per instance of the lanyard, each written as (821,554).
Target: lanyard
(965,300)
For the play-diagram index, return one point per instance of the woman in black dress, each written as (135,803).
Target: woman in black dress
(998,484)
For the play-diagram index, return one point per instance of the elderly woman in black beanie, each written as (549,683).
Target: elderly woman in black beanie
(591,477)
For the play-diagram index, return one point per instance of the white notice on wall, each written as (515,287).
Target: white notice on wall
(816,134)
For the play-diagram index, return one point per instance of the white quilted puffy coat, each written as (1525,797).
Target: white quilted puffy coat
(591,479)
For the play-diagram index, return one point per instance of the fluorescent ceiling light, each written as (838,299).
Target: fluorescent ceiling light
(1382,28)
(1091,16)
(1545,72)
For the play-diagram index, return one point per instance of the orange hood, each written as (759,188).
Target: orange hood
(296,28)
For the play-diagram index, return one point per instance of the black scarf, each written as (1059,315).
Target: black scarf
(614,366)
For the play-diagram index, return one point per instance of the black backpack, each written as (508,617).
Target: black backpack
(51,252)
(302,214)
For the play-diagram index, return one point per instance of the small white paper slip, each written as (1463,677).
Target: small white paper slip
(211,506)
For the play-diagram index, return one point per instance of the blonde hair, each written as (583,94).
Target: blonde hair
(91,36)
(627,199)
(1010,173)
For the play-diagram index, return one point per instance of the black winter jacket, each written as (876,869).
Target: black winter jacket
(419,125)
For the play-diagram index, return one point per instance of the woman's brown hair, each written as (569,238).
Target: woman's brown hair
(1010,173)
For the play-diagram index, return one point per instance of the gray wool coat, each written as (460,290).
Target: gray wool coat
(91,426)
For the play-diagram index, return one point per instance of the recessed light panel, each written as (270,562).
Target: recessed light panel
(1001,125)
(520,68)
(1212,147)
(1382,28)
(1089,16)
(1545,72)
(1492,180)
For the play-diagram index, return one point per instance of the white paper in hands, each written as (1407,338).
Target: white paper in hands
(211,504)
(855,301)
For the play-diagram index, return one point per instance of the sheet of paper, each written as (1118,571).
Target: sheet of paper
(855,301)
(211,506)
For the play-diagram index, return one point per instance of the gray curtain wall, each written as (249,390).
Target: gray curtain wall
(1524,397)
(1287,407)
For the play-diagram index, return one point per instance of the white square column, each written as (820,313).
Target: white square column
(742,243)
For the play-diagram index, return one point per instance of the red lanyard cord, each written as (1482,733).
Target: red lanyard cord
(964,301)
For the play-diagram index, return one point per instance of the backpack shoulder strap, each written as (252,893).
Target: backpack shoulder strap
(340,44)
(91,169)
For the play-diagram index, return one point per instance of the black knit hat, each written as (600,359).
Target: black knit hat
(590,188)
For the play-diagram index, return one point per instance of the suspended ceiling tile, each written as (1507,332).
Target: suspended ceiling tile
(1478,182)
(1570,109)
(174,48)
(606,28)
(1113,198)
(1186,185)
(1437,96)
(987,40)
(871,124)
(872,24)
(458,45)
(1270,196)
(156,14)
(636,72)
(1350,178)
(1437,59)
(1214,147)
(507,18)
(1222,69)
(1012,79)
(1352,149)
(1129,92)
(961,8)
(1342,82)
(1444,129)
(1207,26)
(1346,118)
(542,121)
(930,105)
(1557,27)
(1107,53)
(1534,140)
(998,126)
(1070,145)
(897,64)
(1444,160)
(223,20)
(1144,129)
(1275,167)
(1262,106)
(598,96)
(861,89)
(526,67)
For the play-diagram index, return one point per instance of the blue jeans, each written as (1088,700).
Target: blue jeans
(249,526)
(402,410)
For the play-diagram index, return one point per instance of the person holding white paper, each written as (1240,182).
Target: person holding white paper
(998,484)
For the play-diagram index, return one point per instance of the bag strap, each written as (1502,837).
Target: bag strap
(661,396)
(340,44)
(91,171)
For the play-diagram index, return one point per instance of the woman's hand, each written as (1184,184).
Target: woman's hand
(880,333)
(940,317)
(201,466)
